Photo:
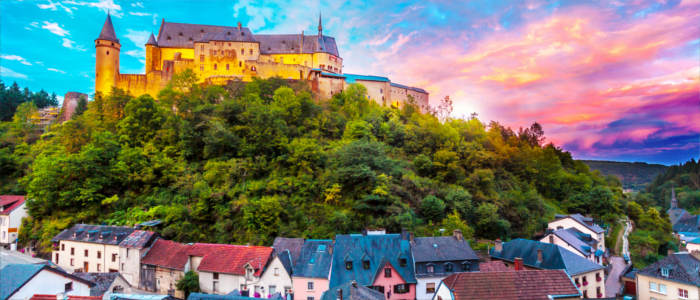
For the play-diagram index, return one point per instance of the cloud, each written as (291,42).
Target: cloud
(15,57)
(259,15)
(138,37)
(140,14)
(106,6)
(137,4)
(54,6)
(71,45)
(5,72)
(55,28)
(56,70)
(138,53)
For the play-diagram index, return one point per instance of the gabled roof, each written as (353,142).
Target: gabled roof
(107,32)
(572,237)
(8,203)
(352,78)
(525,284)
(554,257)
(291,43)
(379,248)
(167,254)
(315,259)
(230,259)
(442,248)
(183,35)
(102,281)
(138,239)
(352,291)
(585,221)
(682,267)
(292,245)
(98,234)
(14,276)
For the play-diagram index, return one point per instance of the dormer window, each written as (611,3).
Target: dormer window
(348,265)
(365,264)
(180,34)
(465,266)
(430,268)
(402,262)
(449,267)
(664,272)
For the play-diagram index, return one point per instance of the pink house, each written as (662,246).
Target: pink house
(392,284)
(311,272)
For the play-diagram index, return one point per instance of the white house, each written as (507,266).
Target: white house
(223,268)
(22,281)
(583,224)
(276,278)
(12,211)
(575,241)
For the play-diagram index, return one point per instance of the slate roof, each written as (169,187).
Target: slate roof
(167,254)
(8,203)
(554,256)
(378,249)
(525,284)
(14,276)
(682,267)
(102,281)
(687,223)
(415,89)
(183,35)
(572,237)
(230,296)
(352,78)
(674,214)
(138,239)
(152,40)
(315,259)
(230,259)
(107,32)
(441,248)
(13,257)
(293,245)
(352,291)
(585,221)
(98,234)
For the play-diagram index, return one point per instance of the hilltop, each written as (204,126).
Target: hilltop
(634,175)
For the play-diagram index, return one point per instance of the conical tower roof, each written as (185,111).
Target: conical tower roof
(152,40)
(107,32)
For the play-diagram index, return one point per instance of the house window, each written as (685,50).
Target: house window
(114,257)
(310,285)
(118,289)
(430,287)
(214,66)
(72,251)
(664,272)
(551,239)
(201,47)
(215,286)
(387,272)
(309,298)
(430,268)
(662,288)
(271,290)
(63,247)
(201,58)
(99,268)
(71,262)
(402,262)
(122,266)
(216,276)
(68,287)
(365,264)
(348,265)
(448,267)
(401,288)
(99,254)
(585,294)
(56,258)
(277,272)
(683,294)
(243,287)
(465,266)
(86,253)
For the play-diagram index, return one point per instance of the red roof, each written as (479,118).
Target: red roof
(525,284)
(231,259)
(167,254)
(9,203)
(493,266)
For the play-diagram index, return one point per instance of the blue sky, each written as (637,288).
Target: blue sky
(607,79)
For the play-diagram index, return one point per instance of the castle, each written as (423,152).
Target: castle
(219,54)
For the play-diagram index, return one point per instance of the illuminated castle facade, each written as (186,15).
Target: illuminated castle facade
(219,54)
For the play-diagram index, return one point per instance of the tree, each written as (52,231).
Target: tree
(189,283)
(444,109)
(80,108)
(453,222)
(489,224)
(432,208)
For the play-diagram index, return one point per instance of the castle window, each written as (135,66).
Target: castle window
(112,44)
(229,44)
(180,34)
(242,51)
(240,64)
(201,47)
(242,33)
(226,67)
(228,33)
(201,58)
(190,39)
(251,51)
(214,66)
(201,30)
(201,67)
(107,52)
(169,38)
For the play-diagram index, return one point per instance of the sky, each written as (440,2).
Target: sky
(608,80)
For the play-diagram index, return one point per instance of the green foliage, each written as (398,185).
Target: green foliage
(250,161)
(635,176)
(189,283)
(12,97)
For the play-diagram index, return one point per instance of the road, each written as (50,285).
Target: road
(613,282)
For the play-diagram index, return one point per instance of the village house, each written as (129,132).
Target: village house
(587,276)
(224,268)
(684,224)
(131,250)
(376,260)
(12,211)
(508,285)
(352,291)
(674,277)
(90,248)
(312,270)
(286,251)
(105,284)
(586,227)
(575,241)
(22,281)
(163,266)
(438,257)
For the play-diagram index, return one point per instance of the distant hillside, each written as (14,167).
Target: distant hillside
(634,176)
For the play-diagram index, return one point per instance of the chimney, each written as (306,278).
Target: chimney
(498,247)
(354,283)
(518,264)
(458,235)
(540,258)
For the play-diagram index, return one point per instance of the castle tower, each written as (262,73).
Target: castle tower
(152,55)
(674,201)
(107,58)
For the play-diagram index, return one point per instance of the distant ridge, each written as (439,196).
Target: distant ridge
(634,175)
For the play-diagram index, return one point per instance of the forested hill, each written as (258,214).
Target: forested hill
(684,178)
(247,162)
(634,175)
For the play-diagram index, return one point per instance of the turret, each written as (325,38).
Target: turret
(152,54)
(107,58)
(320,43)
